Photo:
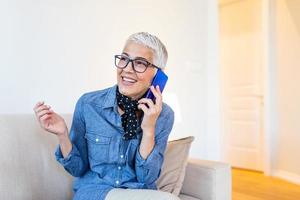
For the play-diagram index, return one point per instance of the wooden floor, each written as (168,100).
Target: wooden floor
(251,185)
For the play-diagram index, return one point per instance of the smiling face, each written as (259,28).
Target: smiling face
(131,83)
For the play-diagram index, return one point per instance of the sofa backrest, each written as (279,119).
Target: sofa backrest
(28,169)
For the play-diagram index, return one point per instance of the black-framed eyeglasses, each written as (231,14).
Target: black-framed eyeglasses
(139,65)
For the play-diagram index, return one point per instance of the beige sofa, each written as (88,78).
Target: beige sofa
(29,171)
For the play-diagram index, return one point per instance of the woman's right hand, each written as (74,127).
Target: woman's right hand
(49,120)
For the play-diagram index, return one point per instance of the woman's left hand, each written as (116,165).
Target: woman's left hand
(151,112)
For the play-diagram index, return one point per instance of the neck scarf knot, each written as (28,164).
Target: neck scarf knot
(129,118)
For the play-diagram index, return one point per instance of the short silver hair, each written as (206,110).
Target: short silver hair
(152,42)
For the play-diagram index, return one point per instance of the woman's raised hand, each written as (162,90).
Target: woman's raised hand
(49,120)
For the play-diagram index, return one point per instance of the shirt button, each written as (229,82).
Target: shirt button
(119,168)
(121,156)
(97,139)
(117,182)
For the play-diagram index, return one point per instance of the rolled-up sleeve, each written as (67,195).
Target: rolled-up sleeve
(148,170)
(76,163)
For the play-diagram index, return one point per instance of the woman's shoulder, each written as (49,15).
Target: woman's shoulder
(165,122)
(167,115)
(167,110)
(97,96)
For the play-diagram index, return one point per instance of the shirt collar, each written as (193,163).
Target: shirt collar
(110,100)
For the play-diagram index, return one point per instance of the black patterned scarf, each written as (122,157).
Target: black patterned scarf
(129,118)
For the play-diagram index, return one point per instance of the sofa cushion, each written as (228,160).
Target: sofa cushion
(28,167)
(173,169)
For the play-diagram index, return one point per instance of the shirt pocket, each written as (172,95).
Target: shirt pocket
(98,147)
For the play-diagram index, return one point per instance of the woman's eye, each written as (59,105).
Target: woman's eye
(139,62)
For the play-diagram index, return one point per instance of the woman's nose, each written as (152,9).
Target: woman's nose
(129,67)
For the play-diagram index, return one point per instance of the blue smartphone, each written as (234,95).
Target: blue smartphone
(159,79)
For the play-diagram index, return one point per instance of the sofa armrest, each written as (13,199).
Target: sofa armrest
(207,180)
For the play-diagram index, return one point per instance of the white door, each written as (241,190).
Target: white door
(241,72)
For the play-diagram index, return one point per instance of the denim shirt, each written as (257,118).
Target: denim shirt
(100,156)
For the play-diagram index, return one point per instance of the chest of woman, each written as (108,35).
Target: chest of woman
(105,145)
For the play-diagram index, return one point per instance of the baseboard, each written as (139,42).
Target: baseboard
(288,176)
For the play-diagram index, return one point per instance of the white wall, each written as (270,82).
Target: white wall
(287,162)
(56,50)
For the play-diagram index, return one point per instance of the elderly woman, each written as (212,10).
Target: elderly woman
(117,138)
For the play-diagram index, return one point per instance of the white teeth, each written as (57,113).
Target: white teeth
(129,80)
